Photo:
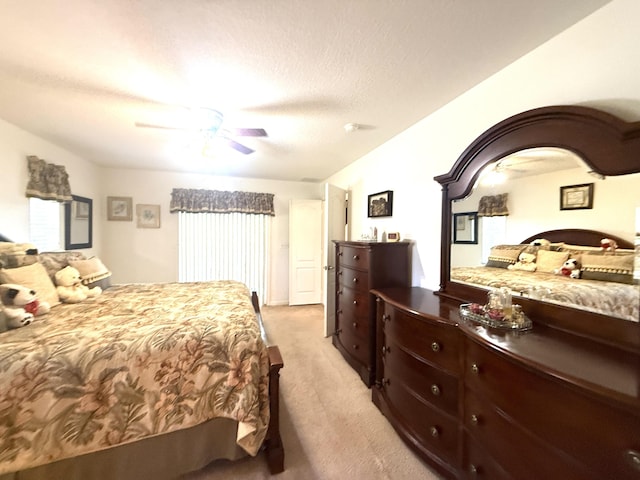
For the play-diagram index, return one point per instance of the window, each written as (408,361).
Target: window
(224,246)
(493,232)
(45,224)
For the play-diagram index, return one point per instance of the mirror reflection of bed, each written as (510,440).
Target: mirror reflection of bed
(532,179)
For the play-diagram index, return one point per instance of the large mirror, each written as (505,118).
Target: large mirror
(78,223)
(540,152)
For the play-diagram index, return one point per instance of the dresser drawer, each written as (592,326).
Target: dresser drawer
(355,257)
(356,279)
(436,344)
(358,325)
(356,343)
(425,381)
(478,464)
(596,434)
(516,451)
(435,431)
(355,302)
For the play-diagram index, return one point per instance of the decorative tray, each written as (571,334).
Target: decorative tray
(484,319)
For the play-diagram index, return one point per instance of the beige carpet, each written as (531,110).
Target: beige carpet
(330,428)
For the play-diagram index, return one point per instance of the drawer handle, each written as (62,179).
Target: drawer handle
(355,302)
(385,382)
(434,431)
(435,346)
(356,347)
(474,469)
(385,350)
(340,273)
(340,292)
(633,458)
(356,257)
(475,368)
(355,324)
(435,390)
(386,317)
(355,280)
(340,253)
(475,420)
(339,312)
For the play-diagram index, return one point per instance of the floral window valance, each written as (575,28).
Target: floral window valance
(493,206)
(47,181)
(215,201)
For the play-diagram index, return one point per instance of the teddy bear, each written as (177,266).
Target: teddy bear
(570,268)
(20,305)
(70,288)
(526,261)
(608,245)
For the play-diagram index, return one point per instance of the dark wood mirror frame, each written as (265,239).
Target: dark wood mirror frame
(608,145)
(69,243)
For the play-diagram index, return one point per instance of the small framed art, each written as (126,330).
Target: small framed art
(381,204)
(119,209)
(575,197)
(148,216)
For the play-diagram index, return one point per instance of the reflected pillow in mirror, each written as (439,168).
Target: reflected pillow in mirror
(608,268)
(501,256)
(549,261)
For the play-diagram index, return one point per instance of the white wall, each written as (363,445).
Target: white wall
(151,255)
(594,63)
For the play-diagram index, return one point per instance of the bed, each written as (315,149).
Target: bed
(142,381)
(606,285)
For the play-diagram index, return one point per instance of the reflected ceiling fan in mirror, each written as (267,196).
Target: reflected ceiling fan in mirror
(209,123)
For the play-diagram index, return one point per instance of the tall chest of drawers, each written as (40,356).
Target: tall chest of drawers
(360,267)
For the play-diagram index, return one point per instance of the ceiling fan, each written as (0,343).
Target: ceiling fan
(209,122)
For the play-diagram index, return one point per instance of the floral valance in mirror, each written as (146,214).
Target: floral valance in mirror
(493,205)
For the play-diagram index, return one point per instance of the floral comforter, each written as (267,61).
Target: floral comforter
(610,298)
(137,361)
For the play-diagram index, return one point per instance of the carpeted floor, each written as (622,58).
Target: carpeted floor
(330,428)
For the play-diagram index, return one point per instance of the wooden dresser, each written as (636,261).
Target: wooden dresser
(361,266)
(483,403)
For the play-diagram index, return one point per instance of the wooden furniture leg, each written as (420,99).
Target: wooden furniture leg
(273,443)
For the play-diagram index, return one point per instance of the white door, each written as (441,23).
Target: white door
(335,221)
(305,252)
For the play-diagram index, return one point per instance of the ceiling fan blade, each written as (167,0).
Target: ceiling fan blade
(248,132)
(163,127)
(238,146)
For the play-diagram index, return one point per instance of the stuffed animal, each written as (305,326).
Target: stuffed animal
(570,268)
(526,261)
(20,305)
(70,288)
(540,242)
(608,245)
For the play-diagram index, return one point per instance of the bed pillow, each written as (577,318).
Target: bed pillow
(56,261)
(549,261)
(36,278)
(608,268)
(93,272)
(501,256)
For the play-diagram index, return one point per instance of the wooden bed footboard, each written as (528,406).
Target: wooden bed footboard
(273,442)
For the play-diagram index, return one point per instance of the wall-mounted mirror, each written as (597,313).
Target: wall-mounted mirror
(465,228)
(603,149)
(78,223)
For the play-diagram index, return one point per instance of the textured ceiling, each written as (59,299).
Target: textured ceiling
(81,73)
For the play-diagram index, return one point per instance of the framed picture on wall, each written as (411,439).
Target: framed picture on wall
(380,204)
(575,197)
(148,216)
(119,209)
